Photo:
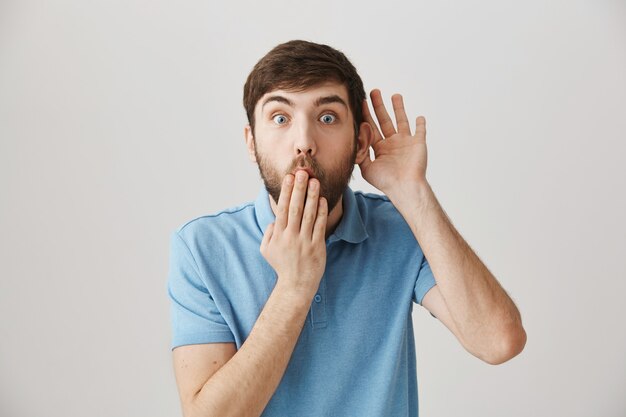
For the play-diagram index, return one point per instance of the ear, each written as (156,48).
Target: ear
(247,133)
(364,141)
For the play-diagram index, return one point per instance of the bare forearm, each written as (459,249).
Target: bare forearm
(246,383)
(486,318)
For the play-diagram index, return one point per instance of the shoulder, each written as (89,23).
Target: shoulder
(375,206)
(220,225)
(371,198)
(381,217)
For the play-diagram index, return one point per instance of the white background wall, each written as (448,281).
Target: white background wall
(120,120)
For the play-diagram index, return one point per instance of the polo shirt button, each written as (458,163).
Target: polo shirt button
(318,298)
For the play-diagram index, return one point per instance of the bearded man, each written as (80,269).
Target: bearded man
(300,302)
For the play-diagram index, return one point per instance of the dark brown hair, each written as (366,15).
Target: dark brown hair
(298,65)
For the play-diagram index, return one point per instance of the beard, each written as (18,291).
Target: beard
(333,182)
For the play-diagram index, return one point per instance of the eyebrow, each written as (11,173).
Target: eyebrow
(330,99)
(279,99)
(319,102)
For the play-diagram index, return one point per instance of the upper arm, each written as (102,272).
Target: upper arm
(195,364)
(433,301)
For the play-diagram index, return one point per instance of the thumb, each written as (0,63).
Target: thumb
(365,163)
(267,237)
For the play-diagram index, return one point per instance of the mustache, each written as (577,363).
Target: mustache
(307,162)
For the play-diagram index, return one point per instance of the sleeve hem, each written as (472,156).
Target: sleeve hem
(423,289)
(202,338)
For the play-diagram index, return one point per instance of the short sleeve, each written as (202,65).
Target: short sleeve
(195,317)
(425,281)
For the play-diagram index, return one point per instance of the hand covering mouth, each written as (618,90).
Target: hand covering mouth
(307,169)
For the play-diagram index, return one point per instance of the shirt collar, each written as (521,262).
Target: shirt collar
(350,227)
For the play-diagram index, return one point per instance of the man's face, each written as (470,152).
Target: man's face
(311,130)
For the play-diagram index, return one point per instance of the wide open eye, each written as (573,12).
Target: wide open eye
(328,118)
(280,119)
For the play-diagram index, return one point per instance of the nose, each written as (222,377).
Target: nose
(304,142)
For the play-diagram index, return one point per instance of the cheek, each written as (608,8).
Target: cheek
(272,162)
(338,146)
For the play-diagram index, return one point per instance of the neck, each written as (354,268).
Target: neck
(333,217)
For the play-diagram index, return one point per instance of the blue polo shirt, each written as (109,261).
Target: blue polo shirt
(356,353)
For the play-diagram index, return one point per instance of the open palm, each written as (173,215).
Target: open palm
(400,158)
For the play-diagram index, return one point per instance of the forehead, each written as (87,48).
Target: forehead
(307,97)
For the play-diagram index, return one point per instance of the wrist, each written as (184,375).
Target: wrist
(410,194)
(294,296)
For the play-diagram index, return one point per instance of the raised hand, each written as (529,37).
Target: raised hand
(294,245)
(400,158)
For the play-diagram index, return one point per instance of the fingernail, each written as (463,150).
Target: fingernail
(300,176)
(289,179)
